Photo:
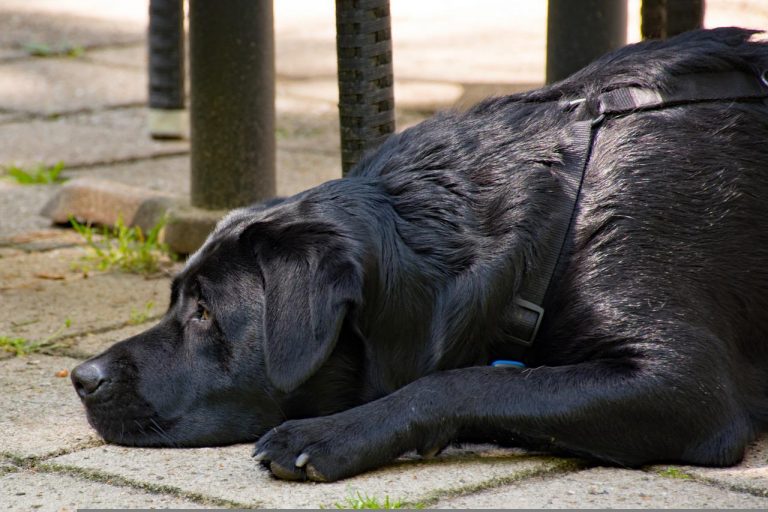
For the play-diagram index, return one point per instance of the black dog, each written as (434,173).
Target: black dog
(358,320)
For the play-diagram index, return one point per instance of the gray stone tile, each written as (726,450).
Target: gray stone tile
(603,488)
(20,207)
(38,241)
(751,475)
(299,170)
(56,85)
(23,24)
(40,293)
(229,473)
(83,140)
(42,414)
(90,344)
(130,57)
(167,174)
(26,491)
(409,94)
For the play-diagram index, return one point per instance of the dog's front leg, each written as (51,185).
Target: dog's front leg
(597,409)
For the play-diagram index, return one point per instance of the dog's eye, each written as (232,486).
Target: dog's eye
(202,312)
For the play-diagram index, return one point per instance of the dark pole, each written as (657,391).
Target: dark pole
(667,18)
(579,31)
(166,69)
(366,95)
(232,107)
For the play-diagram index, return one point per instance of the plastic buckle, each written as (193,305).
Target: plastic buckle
(530,307)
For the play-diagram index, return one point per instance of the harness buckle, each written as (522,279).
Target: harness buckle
(527,317)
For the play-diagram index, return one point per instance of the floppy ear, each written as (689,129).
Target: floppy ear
(310,283)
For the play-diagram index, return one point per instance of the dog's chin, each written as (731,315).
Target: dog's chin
(154,432)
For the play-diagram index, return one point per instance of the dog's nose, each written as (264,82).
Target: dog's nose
(87,378)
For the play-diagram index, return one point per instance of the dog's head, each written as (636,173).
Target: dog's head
(254,314)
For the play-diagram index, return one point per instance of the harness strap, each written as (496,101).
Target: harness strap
(692,88)
(527,313)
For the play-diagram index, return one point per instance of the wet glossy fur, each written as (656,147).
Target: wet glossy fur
(371,306)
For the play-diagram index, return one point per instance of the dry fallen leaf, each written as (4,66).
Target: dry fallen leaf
(53,277)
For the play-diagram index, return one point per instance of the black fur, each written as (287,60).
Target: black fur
(356,321)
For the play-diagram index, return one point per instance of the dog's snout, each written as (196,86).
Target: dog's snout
(88,378)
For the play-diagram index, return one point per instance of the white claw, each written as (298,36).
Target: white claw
(259,456)
(302,460)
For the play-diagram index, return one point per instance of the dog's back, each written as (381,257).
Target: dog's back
(671,224)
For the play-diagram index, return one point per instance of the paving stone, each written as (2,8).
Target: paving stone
(20,207)
(230,473)
(27,490)
(297,170)
(130,57)
(87,139)
(426,95)
(39,294)
(42,414)
(57,85)
(166,174)
(449,43)
(603,488)
(188,227)
(106,202)
(23,22)
(38,241)
(7,117)
(90,344)
(27,270)
(751,475)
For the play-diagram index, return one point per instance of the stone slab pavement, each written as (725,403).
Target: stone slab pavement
(88,112)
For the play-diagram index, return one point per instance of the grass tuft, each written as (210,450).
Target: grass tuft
(40,175)
(60,50)
(19,346)
(365,502)
(674,473)
(139,316)
(123,248)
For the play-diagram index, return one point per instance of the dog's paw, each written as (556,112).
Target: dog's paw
(323,449)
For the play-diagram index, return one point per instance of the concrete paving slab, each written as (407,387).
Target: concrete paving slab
(750,476)
(229,473)
(23,23)
(443,41)
(25,271)
(28,490)
(297,170)
(105,202)
(57,85)
(36,308)
(42,414)
(603,488)
(90,344)
(20,207)
(409,94)
(163,174)
(38,241)
(129,57)
(82,140)
(7,117)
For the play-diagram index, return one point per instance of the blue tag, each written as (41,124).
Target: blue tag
(503,362)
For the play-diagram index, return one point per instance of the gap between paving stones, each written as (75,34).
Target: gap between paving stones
(559,467)
(119,481)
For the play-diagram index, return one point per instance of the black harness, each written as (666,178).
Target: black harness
(590,114)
